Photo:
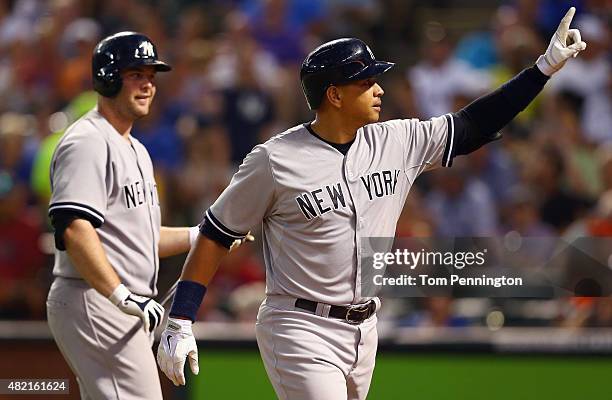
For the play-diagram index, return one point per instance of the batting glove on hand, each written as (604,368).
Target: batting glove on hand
(564,44)
(148,310)
(175,346)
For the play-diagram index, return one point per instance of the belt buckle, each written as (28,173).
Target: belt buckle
(360,310)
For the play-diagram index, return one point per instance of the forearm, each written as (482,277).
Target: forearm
(88,257)
(482,119)
(480,122)
(200,267)
(203,261)
(173,241)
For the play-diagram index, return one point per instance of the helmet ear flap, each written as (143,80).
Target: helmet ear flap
(314,88)
(107,82)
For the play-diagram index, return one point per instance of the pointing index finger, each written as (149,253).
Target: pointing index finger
(566,21)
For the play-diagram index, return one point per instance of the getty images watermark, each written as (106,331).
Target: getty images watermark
(459,260)
(508,266)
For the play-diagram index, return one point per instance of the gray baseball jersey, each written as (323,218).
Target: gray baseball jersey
(317,203)
(109,181)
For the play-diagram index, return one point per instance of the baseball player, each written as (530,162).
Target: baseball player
(319,188)
(106,215)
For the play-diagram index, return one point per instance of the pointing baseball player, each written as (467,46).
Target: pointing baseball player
(319,188)
(106,215)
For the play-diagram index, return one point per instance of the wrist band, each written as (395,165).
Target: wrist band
(179,325)
(187,300)
(119,294)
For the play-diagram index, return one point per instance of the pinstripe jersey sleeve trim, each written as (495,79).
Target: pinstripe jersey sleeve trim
(78,207)
(447,158)
(213,229)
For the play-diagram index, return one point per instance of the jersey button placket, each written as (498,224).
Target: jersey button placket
(349,183)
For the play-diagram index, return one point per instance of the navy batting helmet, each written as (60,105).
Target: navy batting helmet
(337,62)
(120,51)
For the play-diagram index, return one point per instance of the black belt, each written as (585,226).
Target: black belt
(353,314)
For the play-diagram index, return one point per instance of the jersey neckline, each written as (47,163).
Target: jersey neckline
(129,141)
(341,147)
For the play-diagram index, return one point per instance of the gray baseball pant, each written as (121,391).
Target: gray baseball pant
(312,357)
(107,350)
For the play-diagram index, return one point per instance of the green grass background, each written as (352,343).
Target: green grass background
(241,375)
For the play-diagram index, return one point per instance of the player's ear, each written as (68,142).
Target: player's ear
(334,96)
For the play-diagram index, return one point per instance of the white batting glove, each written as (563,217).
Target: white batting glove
(175,346)
(148,310)
(564,44)
(238,242)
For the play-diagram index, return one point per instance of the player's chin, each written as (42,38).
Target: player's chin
(374,115)
(141,110)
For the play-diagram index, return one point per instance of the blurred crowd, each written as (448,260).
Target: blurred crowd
(235,83)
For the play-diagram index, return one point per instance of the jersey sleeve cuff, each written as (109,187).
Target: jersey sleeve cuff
(449,154)
(213,229)
(61,218)
(82,210)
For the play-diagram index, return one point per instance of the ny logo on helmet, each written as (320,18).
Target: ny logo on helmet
(144,50)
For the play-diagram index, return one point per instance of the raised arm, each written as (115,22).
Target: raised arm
(480,122)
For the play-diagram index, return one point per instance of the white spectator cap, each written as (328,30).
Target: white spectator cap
(16,30)
(15,124)
(82,29)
